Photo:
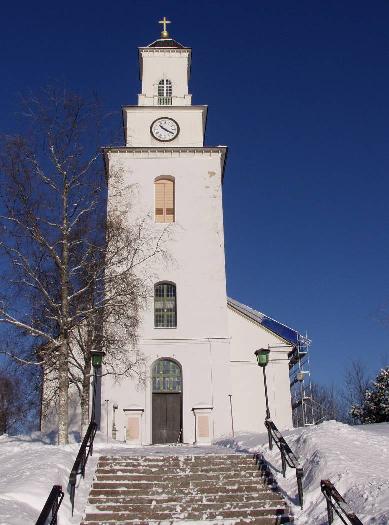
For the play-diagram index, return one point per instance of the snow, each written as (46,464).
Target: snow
(30,466)
(354,458)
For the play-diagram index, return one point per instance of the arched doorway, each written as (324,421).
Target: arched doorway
(167,402)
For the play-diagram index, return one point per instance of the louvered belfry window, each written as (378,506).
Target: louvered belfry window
(164,200)
(165,91)
(165,305)
(165,88)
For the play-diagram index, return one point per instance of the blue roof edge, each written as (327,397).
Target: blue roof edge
(285,332)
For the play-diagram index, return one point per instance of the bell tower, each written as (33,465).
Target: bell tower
(164,72)
(177,185)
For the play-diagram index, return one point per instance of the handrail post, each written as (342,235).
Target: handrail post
(269,436)
(330,512)
(283,460)
(299,478)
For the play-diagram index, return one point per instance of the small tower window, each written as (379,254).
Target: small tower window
(165,92)
(165,305)
(164,200)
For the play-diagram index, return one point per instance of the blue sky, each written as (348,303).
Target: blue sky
(299,93)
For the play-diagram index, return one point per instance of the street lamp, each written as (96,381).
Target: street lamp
(262,356)
(114,429)
(97,361)
(97,358)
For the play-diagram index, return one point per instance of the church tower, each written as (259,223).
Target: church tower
(177,182)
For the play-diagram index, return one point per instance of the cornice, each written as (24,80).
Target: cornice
(203,107)
(166,149)
(145,152)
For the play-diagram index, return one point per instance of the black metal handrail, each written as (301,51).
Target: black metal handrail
(51,507)
(86,450)
(336,502)
(287,456)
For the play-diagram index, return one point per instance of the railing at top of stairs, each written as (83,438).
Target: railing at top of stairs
(336,502)
(86,450)
(287,456)
(50,510)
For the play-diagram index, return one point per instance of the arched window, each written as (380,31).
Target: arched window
(165,305)
(166,376)
(164,199)
(165,92)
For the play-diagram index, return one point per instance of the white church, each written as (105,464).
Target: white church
(203,381)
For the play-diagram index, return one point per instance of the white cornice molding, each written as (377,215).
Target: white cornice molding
(159,50)
(203,107)
(147,152)
(165,150)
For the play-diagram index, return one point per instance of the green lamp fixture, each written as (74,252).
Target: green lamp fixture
(262,356)
(97,358)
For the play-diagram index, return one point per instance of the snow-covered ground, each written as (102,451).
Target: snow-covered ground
(355,459)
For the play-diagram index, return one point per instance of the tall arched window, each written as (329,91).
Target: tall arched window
(165,92)
(164,199)
(165,305)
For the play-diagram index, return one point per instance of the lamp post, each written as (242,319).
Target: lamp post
(262,356)
(106,414)
(97,361)
(114,429)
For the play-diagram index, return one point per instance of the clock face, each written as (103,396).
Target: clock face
(164,129)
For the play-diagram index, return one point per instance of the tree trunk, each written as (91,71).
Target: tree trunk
(63,394)
(63,365)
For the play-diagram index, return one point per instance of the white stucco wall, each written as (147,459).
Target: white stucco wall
(196,249)
(248,398)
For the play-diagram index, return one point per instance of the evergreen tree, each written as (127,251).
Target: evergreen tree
(375,405)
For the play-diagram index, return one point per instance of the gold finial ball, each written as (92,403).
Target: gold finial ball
(164,34)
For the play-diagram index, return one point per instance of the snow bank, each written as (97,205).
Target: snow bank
(29,467)
(354,458)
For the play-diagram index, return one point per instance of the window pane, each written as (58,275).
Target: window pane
(166,376)
(165,306)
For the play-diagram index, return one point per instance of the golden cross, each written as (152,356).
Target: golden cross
(164,33)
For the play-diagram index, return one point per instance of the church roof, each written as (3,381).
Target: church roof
(281,330)
(167,43)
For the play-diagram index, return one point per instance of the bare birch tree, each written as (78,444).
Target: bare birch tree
(70,270)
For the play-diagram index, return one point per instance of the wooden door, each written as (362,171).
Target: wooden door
(167,419)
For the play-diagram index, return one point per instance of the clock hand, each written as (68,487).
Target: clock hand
(165,129)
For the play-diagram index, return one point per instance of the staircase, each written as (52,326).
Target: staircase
(215,489)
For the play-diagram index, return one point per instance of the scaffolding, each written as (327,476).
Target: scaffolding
(303,412)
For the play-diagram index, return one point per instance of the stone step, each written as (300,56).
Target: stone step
(195,474)
(184,493)
(205,469)
(118,517)
(188,457)
(179,480)
(277,506)
(178,462)
(263,520)
(243,484)
(119,497)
